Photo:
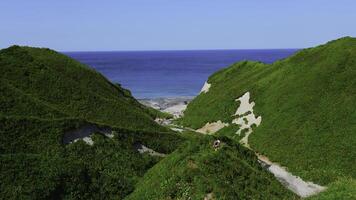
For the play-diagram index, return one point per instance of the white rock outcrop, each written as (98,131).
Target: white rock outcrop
(205,88)
(176,110)
(143,149)
(210,128)
(246,117)
(87,140)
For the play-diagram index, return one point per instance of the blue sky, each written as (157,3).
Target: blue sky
(72,25)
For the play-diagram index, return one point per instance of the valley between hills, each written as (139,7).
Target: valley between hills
(285,130)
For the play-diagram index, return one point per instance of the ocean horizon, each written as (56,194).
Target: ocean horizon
(169,73)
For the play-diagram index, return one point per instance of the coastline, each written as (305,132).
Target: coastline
(171,105)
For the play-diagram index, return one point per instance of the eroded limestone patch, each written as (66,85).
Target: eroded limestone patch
(213,127)
(205,88)
(246,117)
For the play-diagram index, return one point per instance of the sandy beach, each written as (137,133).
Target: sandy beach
(172,105)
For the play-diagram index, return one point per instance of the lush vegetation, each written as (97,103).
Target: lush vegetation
(197,169)
(307,97)
(46,84)
(35,164)
(44,95)
(307,104)
(342,189)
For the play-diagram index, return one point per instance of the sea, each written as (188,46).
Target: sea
(169,74)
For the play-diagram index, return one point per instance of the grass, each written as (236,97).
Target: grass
(36,165)
(342,189)
(197,169)
(56,86)
(307,106)
(44,94)
(308,97)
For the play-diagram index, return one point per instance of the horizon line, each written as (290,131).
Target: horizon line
(250,49)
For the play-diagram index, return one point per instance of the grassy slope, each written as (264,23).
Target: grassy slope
(342,189)
(43,95)
(196,169)
(307,104)
(36,165)
(65,87)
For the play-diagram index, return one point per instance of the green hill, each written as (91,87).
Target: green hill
(35,164)
(306,103)
(66,132)
(46,84)
(198,170)
(46,98)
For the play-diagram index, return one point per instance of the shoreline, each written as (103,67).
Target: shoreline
(171,105)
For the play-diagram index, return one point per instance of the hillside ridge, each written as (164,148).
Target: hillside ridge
(306,105)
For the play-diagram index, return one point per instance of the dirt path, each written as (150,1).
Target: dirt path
(293,183)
